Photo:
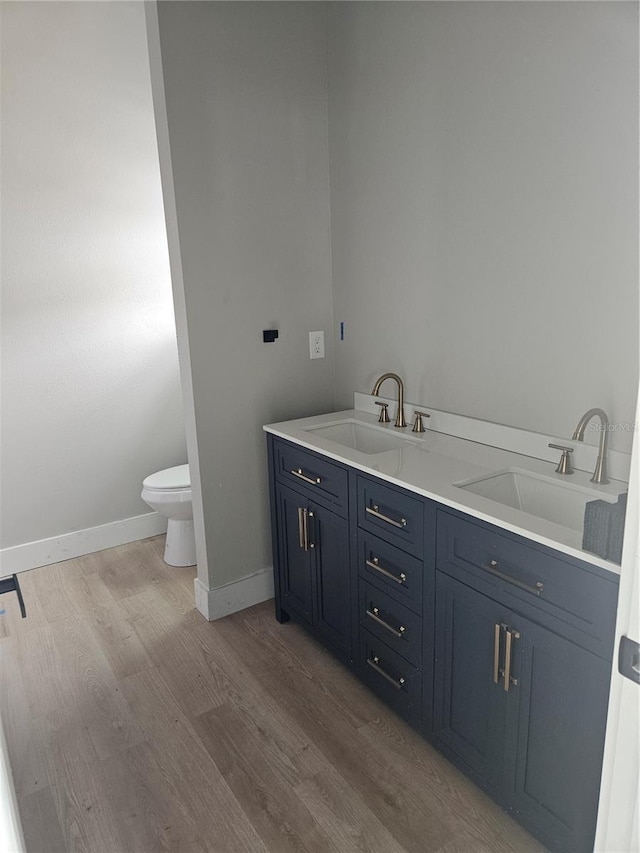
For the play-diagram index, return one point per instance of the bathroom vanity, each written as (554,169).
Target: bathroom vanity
(492,639)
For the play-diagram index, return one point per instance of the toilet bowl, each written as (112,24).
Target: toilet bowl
(169,493)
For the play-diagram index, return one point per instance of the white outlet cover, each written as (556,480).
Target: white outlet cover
(316,344)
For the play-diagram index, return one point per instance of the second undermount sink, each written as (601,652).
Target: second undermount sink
(545,497)
(365,438)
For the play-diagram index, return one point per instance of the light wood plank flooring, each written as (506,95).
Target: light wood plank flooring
(134,725)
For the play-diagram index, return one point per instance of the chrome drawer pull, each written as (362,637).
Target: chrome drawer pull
(491,568)
(375,511)
(373,614)
(374,564)
(374,663)
(300,473)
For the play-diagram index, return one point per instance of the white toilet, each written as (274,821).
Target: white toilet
(169,493)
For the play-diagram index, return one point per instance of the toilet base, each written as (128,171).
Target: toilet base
(180,545)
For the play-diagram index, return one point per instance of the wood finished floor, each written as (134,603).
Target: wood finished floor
(134,725)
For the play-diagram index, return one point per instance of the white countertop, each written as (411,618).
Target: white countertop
(436,461)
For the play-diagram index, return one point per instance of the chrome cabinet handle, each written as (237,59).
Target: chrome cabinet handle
(491,568)
(374,564)
(301,535)
(375,511)
(308,515)
(497,630)
(300,473)
(373,614)
(303,528)
(508,679)
(374,663)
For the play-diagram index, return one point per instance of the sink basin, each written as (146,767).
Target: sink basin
(362,437)
(562,503)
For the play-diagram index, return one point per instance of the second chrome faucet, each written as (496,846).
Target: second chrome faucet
(600,474)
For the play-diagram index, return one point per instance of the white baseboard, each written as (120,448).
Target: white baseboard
(234,596)
(20,558)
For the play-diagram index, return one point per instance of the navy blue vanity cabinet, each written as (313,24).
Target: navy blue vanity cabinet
(495,647)
(311,544)
(520,698)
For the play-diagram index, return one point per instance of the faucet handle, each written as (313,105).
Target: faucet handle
(384,414)
(564,466)
(418,426)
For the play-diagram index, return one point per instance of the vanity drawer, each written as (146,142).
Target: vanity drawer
(323,480)
(393,678)
(543,584)
(391,570)
(392,514)
(391,622)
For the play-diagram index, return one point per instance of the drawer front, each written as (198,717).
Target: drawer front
(389,675)
(392,514)
(391,622)
(323,481)
(391,570)
(541,583)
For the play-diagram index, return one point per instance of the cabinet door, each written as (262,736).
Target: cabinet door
(469,706)
(556,733)
(296,568)
(329,536)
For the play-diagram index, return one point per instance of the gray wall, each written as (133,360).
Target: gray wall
(484,199)
(90,389)
(246,101)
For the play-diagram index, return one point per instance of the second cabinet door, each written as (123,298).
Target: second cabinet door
(314,566)
(556,732)
(329,533)
(296,576)
(469,706)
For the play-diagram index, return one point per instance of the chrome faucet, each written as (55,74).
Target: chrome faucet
(400,420)
(600,473)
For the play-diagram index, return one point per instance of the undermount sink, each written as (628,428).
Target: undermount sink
(365,438)
(545,497)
